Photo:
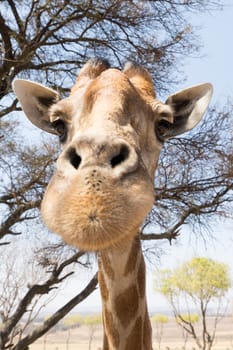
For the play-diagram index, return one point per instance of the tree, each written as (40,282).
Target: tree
(48,41)
(72,321)
(196,284)
(23,299)
(92,322)
(191,318)
(159,321)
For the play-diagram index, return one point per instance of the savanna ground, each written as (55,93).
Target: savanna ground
(172,339)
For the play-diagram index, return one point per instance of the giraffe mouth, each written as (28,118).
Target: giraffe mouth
(106,224)
(94,218)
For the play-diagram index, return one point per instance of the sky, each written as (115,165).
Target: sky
(215,66)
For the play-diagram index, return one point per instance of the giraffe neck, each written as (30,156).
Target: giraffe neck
(122,285)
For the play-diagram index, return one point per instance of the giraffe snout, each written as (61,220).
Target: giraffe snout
(116,156)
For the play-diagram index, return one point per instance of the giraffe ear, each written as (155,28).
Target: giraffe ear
(35,100)
(186,109)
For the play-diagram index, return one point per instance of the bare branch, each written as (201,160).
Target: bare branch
(41,289)
(56,317)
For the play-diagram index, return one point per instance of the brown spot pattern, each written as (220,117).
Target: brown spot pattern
(111,331)
(106,263)
(134,340)
(141,277)
(126,305)
(133,256)
(103,287)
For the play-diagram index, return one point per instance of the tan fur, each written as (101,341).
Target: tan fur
(141,278)
(103,286)
(111,330)
(90,71)
(142,81)
(106,265)
(132,260)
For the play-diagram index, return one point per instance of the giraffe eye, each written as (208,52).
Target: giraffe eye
(161,128)
(60,126)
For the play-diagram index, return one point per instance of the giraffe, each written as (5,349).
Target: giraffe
(111,128)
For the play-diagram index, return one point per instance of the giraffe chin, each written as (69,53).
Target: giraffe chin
(105,223)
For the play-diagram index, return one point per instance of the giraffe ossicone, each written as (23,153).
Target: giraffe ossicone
(112,128)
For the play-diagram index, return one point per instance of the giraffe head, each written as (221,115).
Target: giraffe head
(111,128)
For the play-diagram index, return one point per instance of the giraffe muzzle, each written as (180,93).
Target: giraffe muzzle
(116,156)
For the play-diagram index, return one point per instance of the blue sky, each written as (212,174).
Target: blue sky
(215,66)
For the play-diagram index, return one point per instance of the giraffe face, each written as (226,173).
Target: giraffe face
(111,129)
(103,187)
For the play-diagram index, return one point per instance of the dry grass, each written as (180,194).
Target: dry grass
(78,338)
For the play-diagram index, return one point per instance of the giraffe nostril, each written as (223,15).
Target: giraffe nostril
(120,157)
(74,158)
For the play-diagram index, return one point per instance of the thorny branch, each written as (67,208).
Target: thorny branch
(56,277)
(57,316)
